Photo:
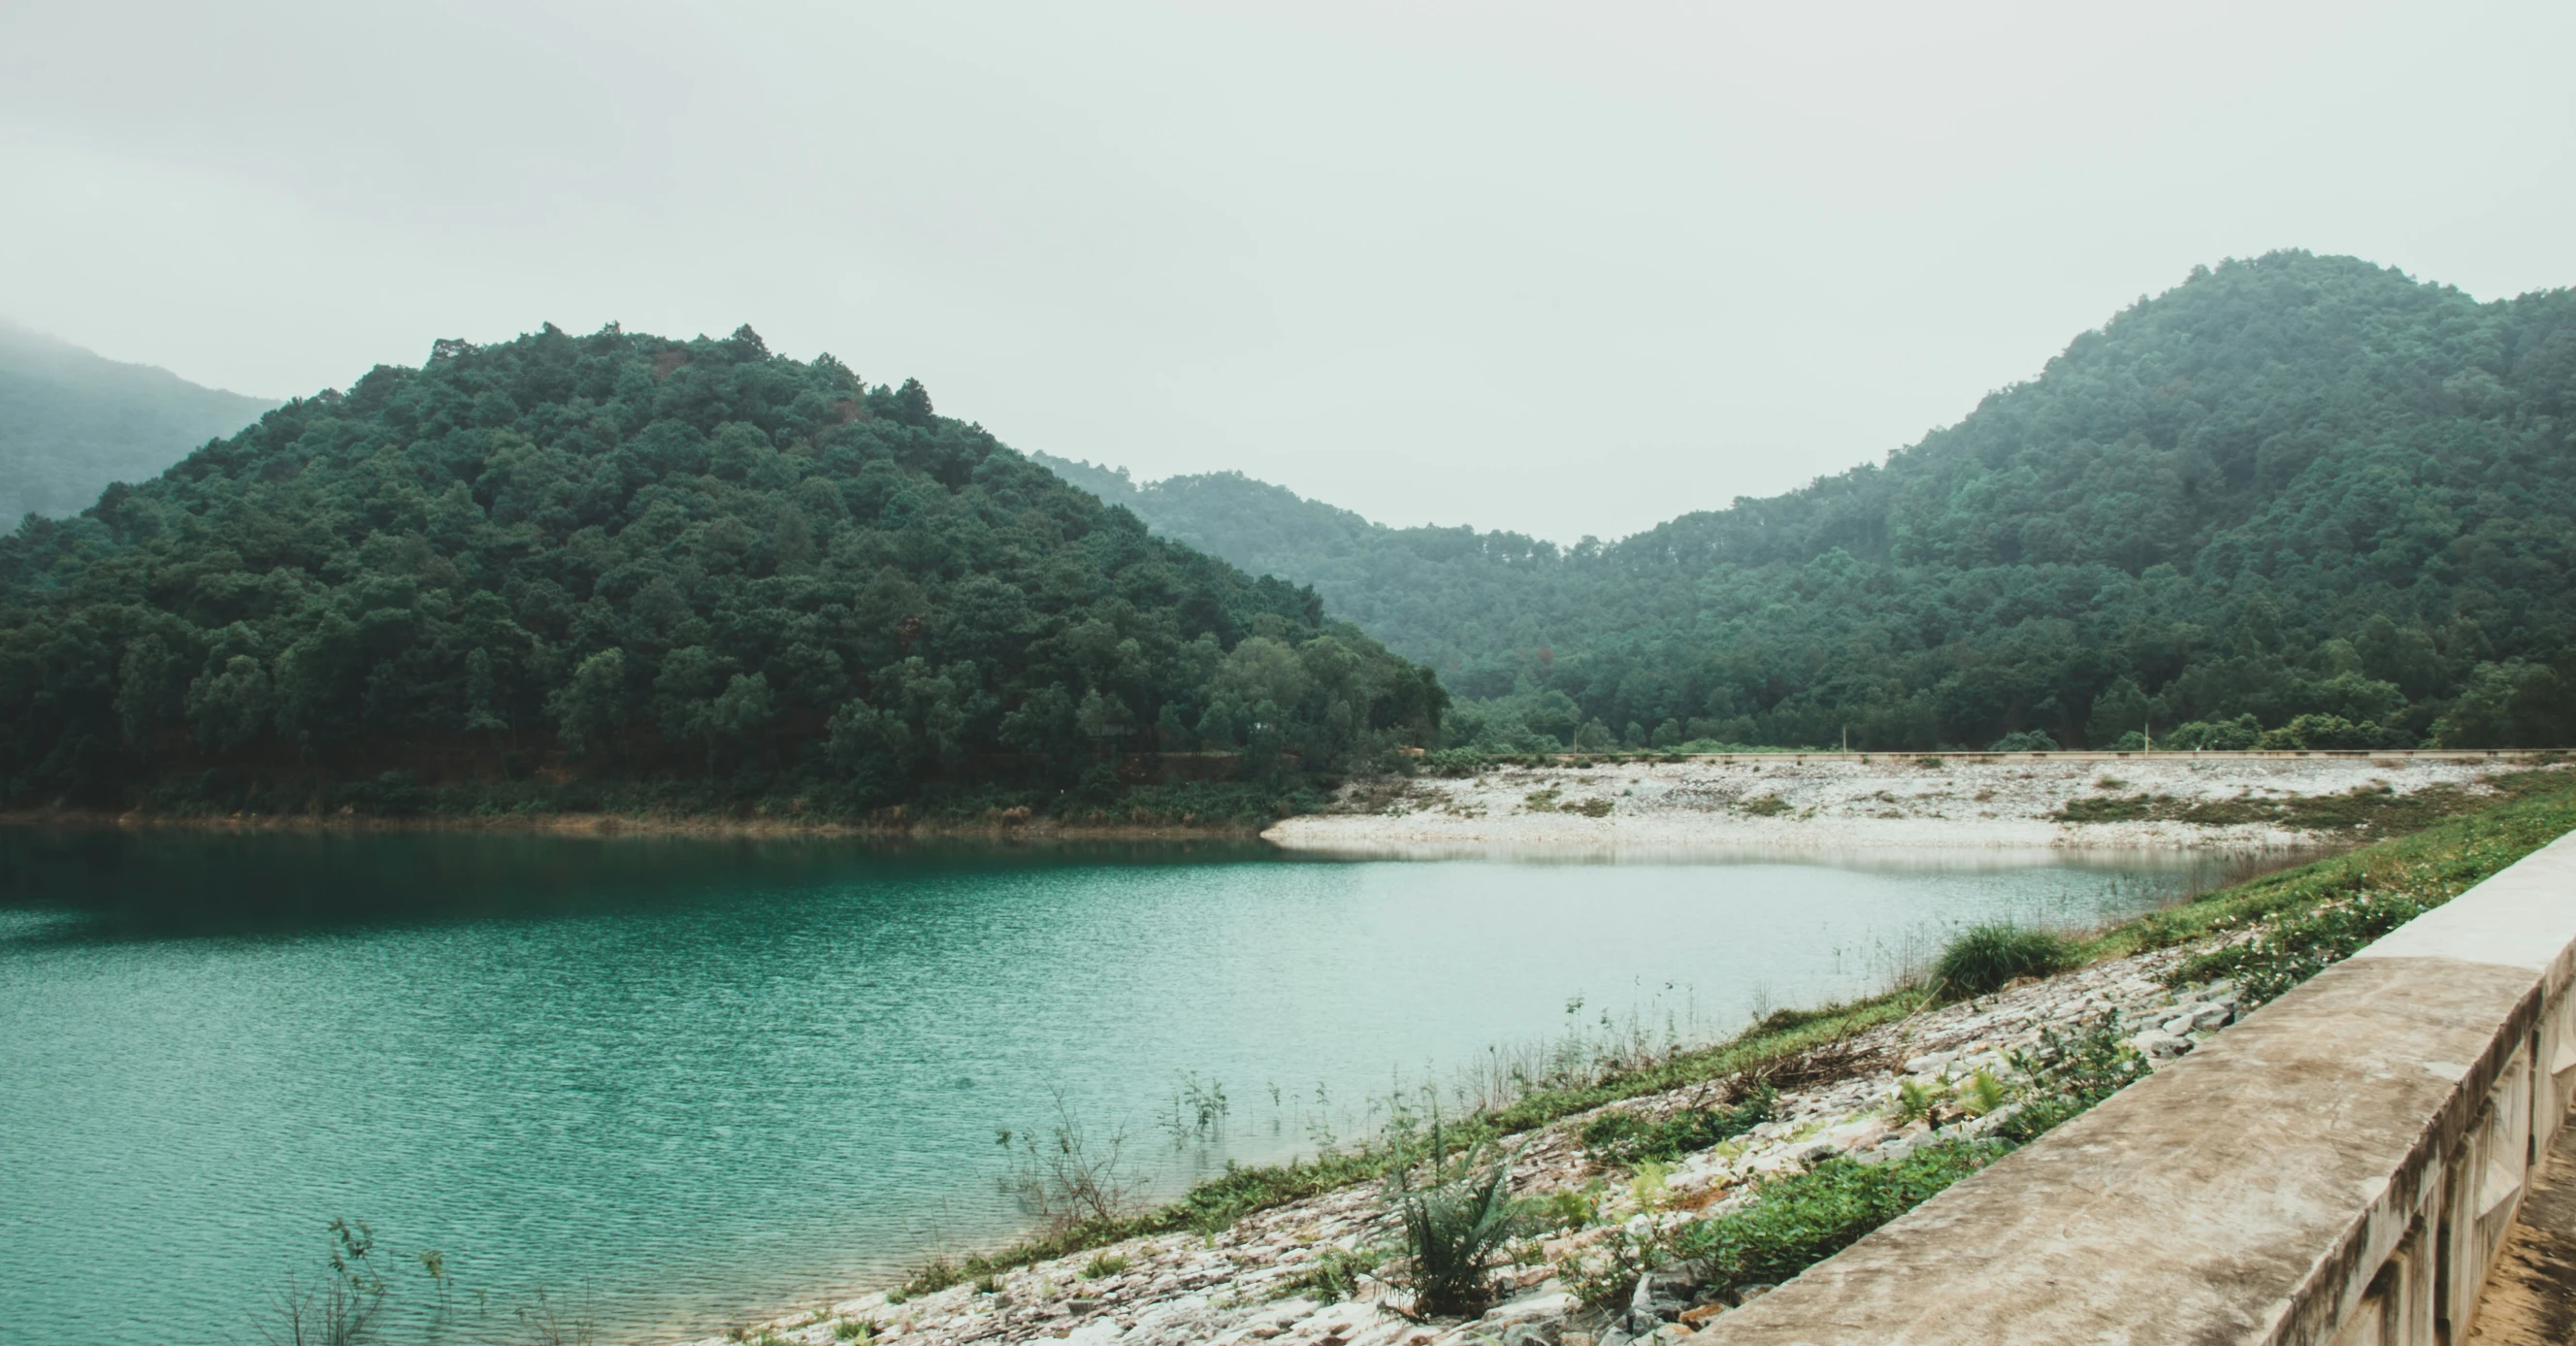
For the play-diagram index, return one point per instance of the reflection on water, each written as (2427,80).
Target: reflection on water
(681,1081)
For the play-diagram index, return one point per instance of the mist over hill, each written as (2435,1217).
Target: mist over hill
(564,571)
(2297,496)
(72,421)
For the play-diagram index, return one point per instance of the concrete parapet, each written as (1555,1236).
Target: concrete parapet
(2339,1168)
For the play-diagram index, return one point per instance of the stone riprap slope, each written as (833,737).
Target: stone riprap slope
(1255,1282)
(1786,804)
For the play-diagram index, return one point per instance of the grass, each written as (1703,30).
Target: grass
(1983,959)
(1804,1218)
(2435,864)
(2369,810)
(1627,1138)
(1799,1219)
(1335,1276)
(2288,924)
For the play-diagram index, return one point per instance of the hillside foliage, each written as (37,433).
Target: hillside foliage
(562,561)
(2295,501)
(71,422)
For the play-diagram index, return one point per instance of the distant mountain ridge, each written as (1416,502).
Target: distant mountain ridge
(2294,486)
(72,421)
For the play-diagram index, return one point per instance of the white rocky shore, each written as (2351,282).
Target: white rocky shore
(1255,1282)
(1793,804)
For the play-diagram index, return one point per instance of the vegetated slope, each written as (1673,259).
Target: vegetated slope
(1459,599)
(691,569)
(2302,489)
(71,422)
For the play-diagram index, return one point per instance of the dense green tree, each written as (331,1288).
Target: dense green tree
(2290,487)
(619,558)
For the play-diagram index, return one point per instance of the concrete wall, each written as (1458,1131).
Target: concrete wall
(2338,1168)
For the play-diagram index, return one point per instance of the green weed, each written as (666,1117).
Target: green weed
(1622,1136)
(1335,1275)
(1802,1219)
(1982,1094)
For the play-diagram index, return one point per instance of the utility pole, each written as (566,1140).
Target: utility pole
(1846,738)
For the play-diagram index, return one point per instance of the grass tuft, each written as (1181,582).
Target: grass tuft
(1985,958)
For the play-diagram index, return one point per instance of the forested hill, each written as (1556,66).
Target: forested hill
(71,422)
(1459,599)
(567,569)
(2305,490)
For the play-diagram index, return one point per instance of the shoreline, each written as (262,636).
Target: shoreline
(1728,806)
(1799,806)
(630,825)
(1306,1271)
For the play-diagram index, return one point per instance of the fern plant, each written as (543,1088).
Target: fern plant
(1455,1222)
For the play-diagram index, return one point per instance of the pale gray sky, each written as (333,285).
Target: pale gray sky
(1563,268)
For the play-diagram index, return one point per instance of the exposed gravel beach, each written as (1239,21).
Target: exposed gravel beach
(1802,804)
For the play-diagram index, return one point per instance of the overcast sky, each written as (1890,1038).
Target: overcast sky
(1566,269)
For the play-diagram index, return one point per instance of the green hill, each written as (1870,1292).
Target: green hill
(71,422)
(564,571)
(2306,490)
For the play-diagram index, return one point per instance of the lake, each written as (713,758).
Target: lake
(674,1083)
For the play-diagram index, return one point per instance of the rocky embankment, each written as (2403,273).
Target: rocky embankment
(1791,804)
(1290,1275)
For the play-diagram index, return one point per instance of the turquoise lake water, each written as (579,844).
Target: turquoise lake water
(672,1084)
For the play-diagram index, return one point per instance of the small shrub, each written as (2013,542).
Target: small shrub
(1986,957)
(935,1275)
(1454,1224)
(1066,1180)
(859,1330)
(1103,1264)
(2026,740)
(1765,806)
(2068,1072)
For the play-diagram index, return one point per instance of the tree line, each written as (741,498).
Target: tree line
(2295,501)
(627,559)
